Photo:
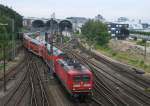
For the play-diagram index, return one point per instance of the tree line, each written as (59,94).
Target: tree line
(140,33)
(10,24)
(12,19)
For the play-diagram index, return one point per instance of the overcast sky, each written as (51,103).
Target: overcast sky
(109,9)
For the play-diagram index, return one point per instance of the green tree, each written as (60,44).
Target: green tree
(14,24)
(96,31)
(11,14)
(3,36)
(6,20)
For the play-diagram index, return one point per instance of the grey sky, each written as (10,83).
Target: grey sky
(110,9)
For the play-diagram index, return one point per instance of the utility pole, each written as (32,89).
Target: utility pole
(4,58)
(51,43)
(13,39)
(145,49)
(61,37)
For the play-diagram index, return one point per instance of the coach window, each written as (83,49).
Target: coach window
(48,49)
(61,63)
(49,52)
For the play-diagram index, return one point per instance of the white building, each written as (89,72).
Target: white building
(133,25)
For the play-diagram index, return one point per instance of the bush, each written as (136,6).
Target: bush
(114,54)
(141,63)
(142,42)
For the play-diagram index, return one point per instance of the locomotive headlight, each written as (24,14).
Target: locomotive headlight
(87,85)
(76,85)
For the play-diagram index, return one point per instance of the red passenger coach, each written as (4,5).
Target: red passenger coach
(36,47)
(47,55)
(33,45)
(26,41)
(76,78)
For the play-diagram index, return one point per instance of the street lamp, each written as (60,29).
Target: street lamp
(4,56)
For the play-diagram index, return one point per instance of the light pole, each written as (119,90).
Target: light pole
(4,57)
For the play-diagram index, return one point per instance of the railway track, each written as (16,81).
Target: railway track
(14,97)
(10,74)
(127,72)
(38,94)
(18,93)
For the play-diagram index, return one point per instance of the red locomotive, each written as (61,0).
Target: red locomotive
(76,78)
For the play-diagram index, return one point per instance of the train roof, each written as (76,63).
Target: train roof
(26,36)
(56,51)
(35,41)
(74,67)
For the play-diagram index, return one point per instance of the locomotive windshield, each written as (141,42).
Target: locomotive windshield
(77,78)
(83,78)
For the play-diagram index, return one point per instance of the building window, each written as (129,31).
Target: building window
(109,25)
(113,28)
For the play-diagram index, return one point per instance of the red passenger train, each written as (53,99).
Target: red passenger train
(75,77)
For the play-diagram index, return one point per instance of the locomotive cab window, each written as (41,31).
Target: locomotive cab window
(77,78)
(85,78)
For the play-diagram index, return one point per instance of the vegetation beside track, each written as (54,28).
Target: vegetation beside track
(126,57)
(142,43)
